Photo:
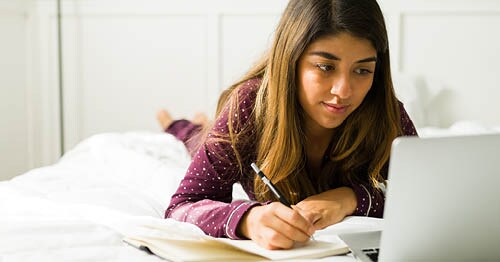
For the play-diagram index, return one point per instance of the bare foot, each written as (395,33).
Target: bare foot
(200,119)
(164,118)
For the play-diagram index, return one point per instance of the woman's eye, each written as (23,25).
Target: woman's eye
(324,67)
(363,71)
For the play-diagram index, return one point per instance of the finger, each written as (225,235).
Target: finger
(293,225)
(286,230)
(273,239)
(321,224)
(325,222)
(312,217)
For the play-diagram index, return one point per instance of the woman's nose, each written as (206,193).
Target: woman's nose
(341,87)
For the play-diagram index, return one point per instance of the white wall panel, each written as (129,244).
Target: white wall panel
(124,60)
(458,54)
(129,67)
(244,39)
(14,115)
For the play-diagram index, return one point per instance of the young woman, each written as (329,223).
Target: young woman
(317,114)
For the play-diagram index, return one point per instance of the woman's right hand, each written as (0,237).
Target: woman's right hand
(275,226)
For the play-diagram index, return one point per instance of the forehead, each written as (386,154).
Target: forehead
(343,43)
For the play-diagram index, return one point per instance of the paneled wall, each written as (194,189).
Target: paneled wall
(125,59)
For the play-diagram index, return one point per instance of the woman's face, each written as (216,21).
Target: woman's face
(334,75)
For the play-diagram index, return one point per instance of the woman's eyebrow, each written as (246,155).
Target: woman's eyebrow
(334,57)
(368,59)
(324,55)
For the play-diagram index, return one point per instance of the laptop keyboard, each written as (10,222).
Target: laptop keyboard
(372,253)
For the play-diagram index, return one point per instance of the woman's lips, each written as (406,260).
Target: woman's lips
(335,108)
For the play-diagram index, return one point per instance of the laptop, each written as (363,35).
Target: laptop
(442,202)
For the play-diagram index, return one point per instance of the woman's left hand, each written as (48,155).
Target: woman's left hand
(329,207)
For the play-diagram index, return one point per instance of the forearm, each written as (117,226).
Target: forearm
(343,197)
(215,218)
(370,201)
(204,197)
(329,207)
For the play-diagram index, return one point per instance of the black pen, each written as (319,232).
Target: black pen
(270,185)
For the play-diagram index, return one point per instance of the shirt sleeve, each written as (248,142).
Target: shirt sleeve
(204,196)
(370,200)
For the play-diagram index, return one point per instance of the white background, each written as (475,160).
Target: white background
(125,59)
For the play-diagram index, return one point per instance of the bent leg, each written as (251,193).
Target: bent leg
(186,131)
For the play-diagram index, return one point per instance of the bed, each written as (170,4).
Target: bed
(80,208)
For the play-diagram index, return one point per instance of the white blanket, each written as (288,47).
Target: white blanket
(72,210)
(110,184)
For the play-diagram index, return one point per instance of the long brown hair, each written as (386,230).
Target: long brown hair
(361,145)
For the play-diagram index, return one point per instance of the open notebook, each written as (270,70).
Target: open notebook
(186,242)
